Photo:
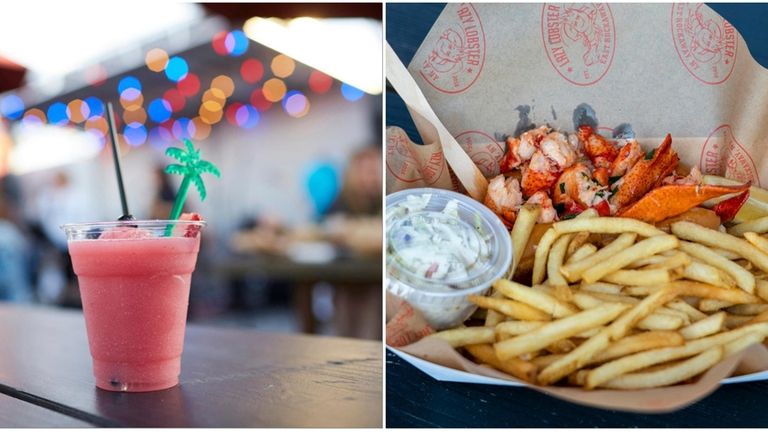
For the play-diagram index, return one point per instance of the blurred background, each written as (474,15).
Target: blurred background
(284,98)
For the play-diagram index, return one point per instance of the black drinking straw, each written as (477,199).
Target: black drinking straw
(116,159)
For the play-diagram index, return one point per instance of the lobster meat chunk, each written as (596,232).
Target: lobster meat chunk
(672,200)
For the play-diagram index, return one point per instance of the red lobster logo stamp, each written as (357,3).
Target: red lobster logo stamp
(705,42)
(723,155)
(458,55)
(404,165)
(580,40)
(484,151)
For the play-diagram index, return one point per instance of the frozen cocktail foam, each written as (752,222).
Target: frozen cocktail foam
(126,232)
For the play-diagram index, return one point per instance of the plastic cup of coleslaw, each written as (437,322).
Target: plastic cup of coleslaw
(441,247)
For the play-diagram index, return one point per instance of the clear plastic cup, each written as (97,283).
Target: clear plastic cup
(134,284)
(427,246)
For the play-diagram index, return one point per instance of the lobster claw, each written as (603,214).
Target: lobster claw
(727,209)
(671,200)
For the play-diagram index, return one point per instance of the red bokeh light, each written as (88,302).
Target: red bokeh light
(218,43)
(231,113)
(189,86)
(319,82)
(176,99)
(259,101)
(251,70)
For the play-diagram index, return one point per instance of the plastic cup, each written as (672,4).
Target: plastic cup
(443,301)
(134,285)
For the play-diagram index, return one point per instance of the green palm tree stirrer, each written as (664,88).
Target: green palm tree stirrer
(191,167)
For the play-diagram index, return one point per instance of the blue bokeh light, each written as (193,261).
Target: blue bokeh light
(159,110)
(135,134)
(127,83)
(95,105)
(57,113)
(176,69)
(247,117)
(181,128)
(236,43)
(351,93)
(12,107)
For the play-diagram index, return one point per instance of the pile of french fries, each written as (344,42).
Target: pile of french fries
(648,309)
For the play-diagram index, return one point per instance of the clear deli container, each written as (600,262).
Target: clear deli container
(441,247)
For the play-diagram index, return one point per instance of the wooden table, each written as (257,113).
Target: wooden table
(229,378)
(416,400)
(353,272)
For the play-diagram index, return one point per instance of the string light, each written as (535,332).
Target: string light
(190,85)
(319,82)
(274,89)
(156,59)
(351,93)
(57,113)
(251,70)
(176,69)
(295,104)
(159,110)
(223,83)
(78,111)
(12,107)
(282,66)
(236,43)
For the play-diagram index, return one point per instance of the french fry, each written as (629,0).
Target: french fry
(744,279)
(556,330)
(641,291)
(725,253)
(601,287)
(714,238)
(581,253)
(555,261)
(697,289)
(578,241)
(575,359)
(678,259)
(518,368)
(757,241)
(651,260)
(735,321)
(748,309)
(607,225)
(758,226)
(641,249)
(616,298)
(708,274)
(660,321)
(589,333)
(541,255)
(761,288)
(762,317)
(705,327)
(693,313)
(543,361)
(563,293)
(639,277)
(515,328)
(510,308)
(639,342)
(521,233)
(462,336)
(574,270)
(713,305)
(742,343)
(578,378)
(631,363)
(667,376)
(561,347)
(534,298)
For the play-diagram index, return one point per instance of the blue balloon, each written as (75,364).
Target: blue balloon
(323,187)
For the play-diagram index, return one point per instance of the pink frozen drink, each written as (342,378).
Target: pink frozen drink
(134,285)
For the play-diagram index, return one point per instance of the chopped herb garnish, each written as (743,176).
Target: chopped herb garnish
(650,154)
(562,187)
(569,216)
(613,179)
(613,191)
(600,194)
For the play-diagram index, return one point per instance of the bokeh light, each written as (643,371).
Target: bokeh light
(232,112)
(251,70)
(236,43)
(190,85)
(319,82)
(130,94)
(128,82)
(156,59)
(215,95)
(218,42)
(201,129)
(159,110)
(95,106)
(57,113)
(282,66)
(183,129)
(295,104)
(135,134)
(176,99)
(247,117)
(12,107)
(223,83)
(134,101)
(176,69)
(78,111)
(211,112)
(351,93)
(259,101)
(98,125)
(137,115)
(274,89)
(34,117)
